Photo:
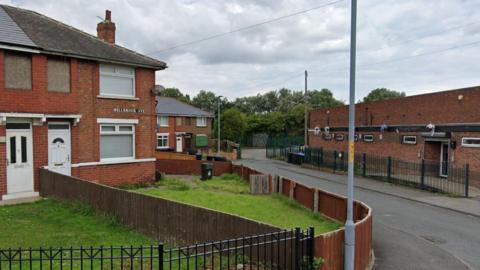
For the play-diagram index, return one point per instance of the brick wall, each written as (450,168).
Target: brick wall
(117,174)
(440,107)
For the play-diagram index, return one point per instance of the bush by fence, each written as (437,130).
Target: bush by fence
(423,175)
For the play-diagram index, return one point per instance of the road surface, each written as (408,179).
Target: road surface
(407,234)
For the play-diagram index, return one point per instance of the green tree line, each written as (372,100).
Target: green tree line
(277,112)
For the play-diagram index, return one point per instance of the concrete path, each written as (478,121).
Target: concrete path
(413,229)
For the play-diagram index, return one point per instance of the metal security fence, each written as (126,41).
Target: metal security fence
(428,175)
(288,249)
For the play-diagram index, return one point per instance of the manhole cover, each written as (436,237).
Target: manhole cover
(433,239)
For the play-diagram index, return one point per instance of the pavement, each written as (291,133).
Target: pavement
(413,229)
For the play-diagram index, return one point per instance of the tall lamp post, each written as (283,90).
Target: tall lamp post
(349,226)
(218,126)
(306,110)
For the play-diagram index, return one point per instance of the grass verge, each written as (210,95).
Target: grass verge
(230,194)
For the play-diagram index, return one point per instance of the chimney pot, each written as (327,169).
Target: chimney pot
(108,15)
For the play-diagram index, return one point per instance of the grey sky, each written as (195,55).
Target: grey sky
(391,35)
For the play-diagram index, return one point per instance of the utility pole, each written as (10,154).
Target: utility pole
(218,119)
(349,225)
(306,110)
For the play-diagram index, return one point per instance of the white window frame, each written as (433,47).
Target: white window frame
(469,144)
(118,75)
(201,124)
(409,137)
(118,132)
(168,140)
(159,122)
(368,138)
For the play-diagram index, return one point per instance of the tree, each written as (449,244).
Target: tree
(207,100)
(323,99)
(175,93)
(382,94)
(232,125)
(295,120)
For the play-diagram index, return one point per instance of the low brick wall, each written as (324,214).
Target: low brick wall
(117,174)
(329,246)
(189,167)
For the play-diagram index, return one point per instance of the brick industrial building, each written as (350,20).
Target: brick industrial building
(442,127)
(182,127)
(73,102)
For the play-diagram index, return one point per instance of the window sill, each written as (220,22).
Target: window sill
(117,97)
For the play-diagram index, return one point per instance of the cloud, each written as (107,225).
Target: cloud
(275,55)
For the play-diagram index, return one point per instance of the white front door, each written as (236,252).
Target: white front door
(59,148)
(179,144)
(19,158)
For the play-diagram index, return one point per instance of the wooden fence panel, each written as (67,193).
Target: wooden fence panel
(164,220)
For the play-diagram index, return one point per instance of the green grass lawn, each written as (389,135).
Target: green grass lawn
(53,223)
(230,194)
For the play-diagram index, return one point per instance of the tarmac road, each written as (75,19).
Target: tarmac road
(407,234)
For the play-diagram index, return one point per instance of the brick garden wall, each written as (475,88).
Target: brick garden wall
(117,174)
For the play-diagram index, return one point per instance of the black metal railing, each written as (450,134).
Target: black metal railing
(429,175)
(288,249)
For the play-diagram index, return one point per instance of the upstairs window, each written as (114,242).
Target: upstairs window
(201,121)
(58,73)
(178,121)
(117,81)
(162,121)
(18,71)
(471,142)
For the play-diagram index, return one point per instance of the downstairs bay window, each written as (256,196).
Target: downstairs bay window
(117,142)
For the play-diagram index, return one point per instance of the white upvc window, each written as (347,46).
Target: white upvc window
(117,141)
(162,121)
(162,141)
(409,139)
(470,142)
(117,81)
(201,121)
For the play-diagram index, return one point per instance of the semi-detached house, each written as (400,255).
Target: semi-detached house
(75,103)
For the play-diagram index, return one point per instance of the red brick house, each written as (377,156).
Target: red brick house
(182,127)
(443,127)
(72,102)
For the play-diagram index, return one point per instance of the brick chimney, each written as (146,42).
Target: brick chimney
(106,28)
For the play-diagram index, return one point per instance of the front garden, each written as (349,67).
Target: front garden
(230,194)
(52,223)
